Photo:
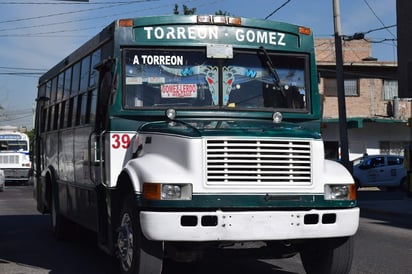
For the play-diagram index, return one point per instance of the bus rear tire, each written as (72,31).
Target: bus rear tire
(61,226)
(136,254)
(325,256)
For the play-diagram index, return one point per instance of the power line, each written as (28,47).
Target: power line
(47,34)
(73,21)
(281,6)
(14,119)
(16,68)
(384,27)
(64,3)
(21,73)
(377,17)
(73,12)
(42,34)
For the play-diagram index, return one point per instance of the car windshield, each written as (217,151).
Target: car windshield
(187,78)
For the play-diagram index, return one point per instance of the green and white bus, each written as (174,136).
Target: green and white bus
(175,136)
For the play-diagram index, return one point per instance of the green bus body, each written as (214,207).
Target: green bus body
(242,138)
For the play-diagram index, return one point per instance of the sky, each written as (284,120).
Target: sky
(37,34)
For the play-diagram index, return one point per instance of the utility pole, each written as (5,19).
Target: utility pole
(404,35)
(343,129)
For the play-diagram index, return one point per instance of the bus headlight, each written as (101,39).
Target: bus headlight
(340,192)
(171,192)
(155,191)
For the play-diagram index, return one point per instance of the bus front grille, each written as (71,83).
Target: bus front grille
(9,159)
(258,162)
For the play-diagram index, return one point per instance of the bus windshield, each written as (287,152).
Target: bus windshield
(158,78)
(13,145)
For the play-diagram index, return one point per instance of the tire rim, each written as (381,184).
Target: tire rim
(125,242)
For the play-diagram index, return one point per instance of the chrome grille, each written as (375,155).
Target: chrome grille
(254,162)
(9,159)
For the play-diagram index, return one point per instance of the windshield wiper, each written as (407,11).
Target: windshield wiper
(271,67)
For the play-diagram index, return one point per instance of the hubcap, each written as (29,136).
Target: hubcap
(125,242)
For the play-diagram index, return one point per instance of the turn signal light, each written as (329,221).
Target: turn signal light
(305,30)
(126,23)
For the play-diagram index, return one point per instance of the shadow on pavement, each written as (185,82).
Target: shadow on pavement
(389,207)
(27,240)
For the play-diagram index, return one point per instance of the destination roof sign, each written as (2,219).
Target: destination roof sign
(216,34)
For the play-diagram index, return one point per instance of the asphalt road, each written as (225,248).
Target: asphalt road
(382,245)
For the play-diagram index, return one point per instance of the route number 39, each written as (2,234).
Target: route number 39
(120,141)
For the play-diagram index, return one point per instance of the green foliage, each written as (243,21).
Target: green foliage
(186,10)
(30,134)
(221,12)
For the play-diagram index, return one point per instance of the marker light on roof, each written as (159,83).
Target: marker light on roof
(234,21)
(126,23)
(219,19)
(203,19)
(305,30)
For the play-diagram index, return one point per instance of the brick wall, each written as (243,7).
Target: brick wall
(353,51)
(370,102)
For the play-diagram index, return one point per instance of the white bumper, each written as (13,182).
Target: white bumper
(249,225)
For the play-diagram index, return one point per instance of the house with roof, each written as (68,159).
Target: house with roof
(377,119)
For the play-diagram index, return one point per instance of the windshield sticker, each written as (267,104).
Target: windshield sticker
(212,75)
(156,80)
(178,91)
(134,80)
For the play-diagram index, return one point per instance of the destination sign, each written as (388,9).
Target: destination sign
(10,137)
(217,34)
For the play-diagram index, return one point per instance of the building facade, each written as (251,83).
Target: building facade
(376,117)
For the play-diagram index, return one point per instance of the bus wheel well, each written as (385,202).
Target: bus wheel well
(123,189)
(49,188)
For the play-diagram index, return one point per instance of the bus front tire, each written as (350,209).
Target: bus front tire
(324,256)
(136,254)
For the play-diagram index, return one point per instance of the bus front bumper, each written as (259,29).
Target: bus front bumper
(249,225)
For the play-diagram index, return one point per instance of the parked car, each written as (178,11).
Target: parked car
(382,171)
(2,180)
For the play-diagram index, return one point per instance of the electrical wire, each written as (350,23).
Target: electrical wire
(377,17)
(111,15)
(62,2)
(74,12)
(276,10)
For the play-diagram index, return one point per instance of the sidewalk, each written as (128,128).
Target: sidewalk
(372,200)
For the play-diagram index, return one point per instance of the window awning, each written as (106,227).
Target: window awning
(357,122)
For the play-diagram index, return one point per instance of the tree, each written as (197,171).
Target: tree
(221,12)
(186,10)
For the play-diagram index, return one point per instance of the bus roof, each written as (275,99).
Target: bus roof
(107,33)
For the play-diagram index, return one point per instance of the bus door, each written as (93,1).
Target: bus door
(38,147)
(98,137)
(97,140)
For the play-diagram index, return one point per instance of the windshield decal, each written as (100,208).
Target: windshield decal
(211,76)
(210,73)
(178,91)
